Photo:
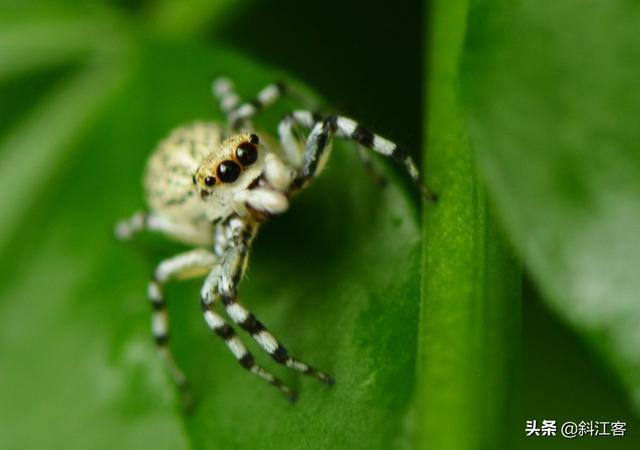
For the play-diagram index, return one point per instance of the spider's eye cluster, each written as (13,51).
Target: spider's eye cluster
(246,154)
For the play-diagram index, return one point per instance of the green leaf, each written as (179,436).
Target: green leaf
(31,43)
(336,279)
(187,17)
(471,285)
(33,151)
(553,103)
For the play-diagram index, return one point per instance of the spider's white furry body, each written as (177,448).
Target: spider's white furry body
(176,190)
(211,186)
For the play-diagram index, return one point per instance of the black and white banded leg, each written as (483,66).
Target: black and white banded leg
(323,130)
(125,229)
(221,328)
(223,89)
(292,143)
(266,97)
(185,265)
(232,269)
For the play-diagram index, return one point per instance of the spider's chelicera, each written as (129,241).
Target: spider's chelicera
(212,186)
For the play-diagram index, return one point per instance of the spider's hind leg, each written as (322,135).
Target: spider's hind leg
(222,329)
(224,90)
(232,270)
(185,265)
(268,342)
(265,98)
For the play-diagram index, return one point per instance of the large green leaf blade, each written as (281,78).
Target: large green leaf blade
(553,105)
(336,279)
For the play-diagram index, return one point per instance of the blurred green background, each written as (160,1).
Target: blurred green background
(446,325)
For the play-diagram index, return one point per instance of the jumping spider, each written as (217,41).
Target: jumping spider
(212,186)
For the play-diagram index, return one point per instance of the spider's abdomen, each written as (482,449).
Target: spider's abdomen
(168,179)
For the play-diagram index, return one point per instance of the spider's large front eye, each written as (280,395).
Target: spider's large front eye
(228,171)
(247,153)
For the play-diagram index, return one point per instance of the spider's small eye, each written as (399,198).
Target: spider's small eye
(254,139)
(247,153)
(228,171)
(209,181)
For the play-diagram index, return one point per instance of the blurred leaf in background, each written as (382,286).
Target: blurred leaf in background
(552,106)
(551,103)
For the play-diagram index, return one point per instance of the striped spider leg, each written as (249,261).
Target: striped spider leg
(234,241)
(239,114)
(224,90)
(293,148)
(325,128)
(195,263)
(185,265)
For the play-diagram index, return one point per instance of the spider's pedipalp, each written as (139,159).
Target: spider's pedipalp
(292,147)
(277,174)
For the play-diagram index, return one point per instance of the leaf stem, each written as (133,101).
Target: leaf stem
(469,323)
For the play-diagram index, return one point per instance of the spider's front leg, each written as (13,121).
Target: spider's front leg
(232,270)
(185,265)
(222,329)
(293,147)
(324,129)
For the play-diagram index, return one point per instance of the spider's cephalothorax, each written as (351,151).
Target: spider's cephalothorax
(211,186)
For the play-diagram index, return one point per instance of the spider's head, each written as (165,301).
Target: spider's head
(230,168)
